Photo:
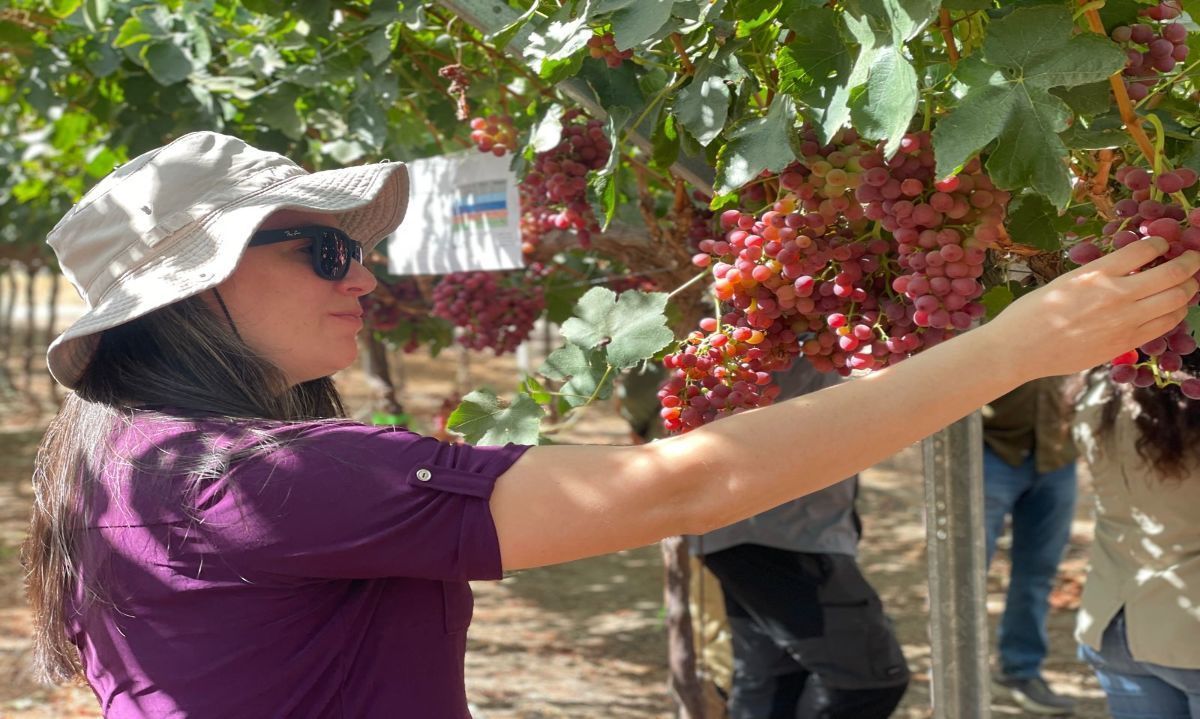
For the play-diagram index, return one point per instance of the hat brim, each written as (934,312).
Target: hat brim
(369,201)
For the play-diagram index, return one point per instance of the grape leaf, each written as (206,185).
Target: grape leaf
(703,106)
(1031,221)
(587,374)
(882,107)
(548,132)
(996,299)
(635,21)
(167,63)
(631,328)
(904,19)
(1024,55)
(814,68)
(483,420)
(759,144)
(883,84)
(554,44)
(665,141)
(1193,321)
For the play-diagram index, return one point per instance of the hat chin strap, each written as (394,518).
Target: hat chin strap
(228,316)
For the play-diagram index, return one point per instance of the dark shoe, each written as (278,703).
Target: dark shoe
(1034,695)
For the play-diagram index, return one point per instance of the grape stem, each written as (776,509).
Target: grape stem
(677,41)
(687,284)
(1133,123)
(945,24)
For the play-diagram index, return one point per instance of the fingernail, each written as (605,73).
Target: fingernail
(1160,243)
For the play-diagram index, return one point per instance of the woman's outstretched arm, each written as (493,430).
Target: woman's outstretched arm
(567,502)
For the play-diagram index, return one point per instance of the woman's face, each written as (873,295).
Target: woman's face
(304,324)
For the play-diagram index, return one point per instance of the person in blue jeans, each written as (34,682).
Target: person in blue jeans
(1138,624)
(1029,475)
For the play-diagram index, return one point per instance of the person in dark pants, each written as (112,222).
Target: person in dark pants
(810,638)
(1029,475)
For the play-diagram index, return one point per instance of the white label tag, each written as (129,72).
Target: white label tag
(463,214)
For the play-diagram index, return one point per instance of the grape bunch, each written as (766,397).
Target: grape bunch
(494,134)
(604,47)
(1149,213)
(943,230)
(396,305)
(1153,48)
(715,372)
(861,262)
(494,310)
(554,191)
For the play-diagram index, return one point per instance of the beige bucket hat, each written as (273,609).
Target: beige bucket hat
(174,222)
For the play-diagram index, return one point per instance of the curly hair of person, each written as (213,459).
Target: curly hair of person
(1168,425)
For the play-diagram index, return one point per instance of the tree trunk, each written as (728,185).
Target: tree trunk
(8,303)
(52,309)
(681,647)
(51,321)
(378,375)
(31,273)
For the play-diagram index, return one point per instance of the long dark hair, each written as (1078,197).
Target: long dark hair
(183,357)
(1168,424)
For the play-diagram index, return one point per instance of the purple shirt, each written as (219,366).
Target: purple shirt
(327,578)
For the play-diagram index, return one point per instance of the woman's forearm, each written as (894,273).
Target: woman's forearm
(562,503)
(757,460)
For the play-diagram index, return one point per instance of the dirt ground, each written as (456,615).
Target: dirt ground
(584,639)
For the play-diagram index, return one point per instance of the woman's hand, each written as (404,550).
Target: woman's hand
(1094,313)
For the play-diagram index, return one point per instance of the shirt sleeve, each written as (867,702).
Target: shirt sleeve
(350,501)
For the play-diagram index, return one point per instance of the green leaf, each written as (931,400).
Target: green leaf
(1031,221)
(483,420)
(603,184)
(1078,137)
(996,299)
(903,19)
(630,328)
(815,66)
(166,62)
(637,22)
(279,111)
(132,32)
(95,12)
(547,133)
(345,152)
(882,108)
(760,144)
(535,390)
(585,373)
(62,8)
(100,58)
(1193,321)
(752,14)
(703,105)
(968,5)
(1087,100)
(1024,54)
(665,141)
(1119,12)
(563,35)
(613,86)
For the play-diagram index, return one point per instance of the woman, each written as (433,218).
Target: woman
(211,539)
(1139,621)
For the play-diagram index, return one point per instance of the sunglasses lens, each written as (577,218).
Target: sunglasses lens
(334,254)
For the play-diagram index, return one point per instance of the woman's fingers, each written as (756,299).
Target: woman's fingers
(1130,257)
(1176,273)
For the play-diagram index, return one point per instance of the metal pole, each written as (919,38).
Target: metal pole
(489,16)
(957,570)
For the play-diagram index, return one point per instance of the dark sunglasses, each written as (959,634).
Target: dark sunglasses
(332,250)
